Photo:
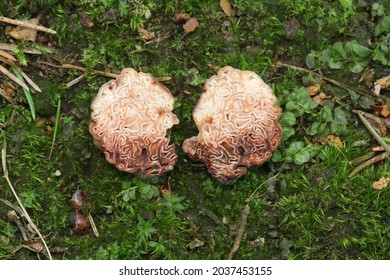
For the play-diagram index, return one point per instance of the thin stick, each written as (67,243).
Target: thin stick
(75,81)
(13,217)
(56,126)
(84,70)
(368,163)
(362,158)
(26,215)
(93,225)
(7,55)
(10,47)
(27,25)
(102,73)
(280,64)
(29,81)
(13,77)
(6,96)
(241,231)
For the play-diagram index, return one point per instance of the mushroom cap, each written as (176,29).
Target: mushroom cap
(130,121)
(237,118)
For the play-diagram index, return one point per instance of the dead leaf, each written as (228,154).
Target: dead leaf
(182,17)
(196,243)
(7,55)
(85,20)
(145,35)
(381,184)
(314,89)
(375,121)
(320,98)
(190,25)
(24,33)
(226,7)
(367,77)
(36,246)
(381,84)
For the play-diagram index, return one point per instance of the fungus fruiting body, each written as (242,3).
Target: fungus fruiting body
(130,121)
(237,118)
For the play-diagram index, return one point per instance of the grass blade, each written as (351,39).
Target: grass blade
(27,94)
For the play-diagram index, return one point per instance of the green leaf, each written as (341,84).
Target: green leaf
(310,63)
(314,128)
(302,157)
(335,63)
(383,26)
(353,48)
(340,116)
(287,119)
(326,114)
(357,66)
(287,132)
(338,50)
(277,156)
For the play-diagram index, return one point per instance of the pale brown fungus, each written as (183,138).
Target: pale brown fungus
(237,118)
(130,121)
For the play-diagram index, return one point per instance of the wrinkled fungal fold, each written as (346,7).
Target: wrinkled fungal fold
(237,118)
(130,121)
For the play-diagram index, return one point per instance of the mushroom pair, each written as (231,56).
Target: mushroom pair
(236,115)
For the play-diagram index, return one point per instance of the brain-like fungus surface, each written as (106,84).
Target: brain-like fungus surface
(130,121)
(237,118)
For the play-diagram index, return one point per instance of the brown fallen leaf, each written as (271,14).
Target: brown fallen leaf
(381,84)
(226,7)
(320,98)
(376,122)
(85,20)
(36,246)
(182,17)
(190,25)
(314,89)
(24,33)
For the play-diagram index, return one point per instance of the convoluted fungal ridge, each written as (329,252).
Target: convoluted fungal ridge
(237,118)
(130,121)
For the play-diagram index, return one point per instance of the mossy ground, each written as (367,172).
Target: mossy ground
(308,211)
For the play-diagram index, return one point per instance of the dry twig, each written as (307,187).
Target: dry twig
(369,162)
(93,225)
(10,47)
(240,233)
(13,77)
(27,25)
